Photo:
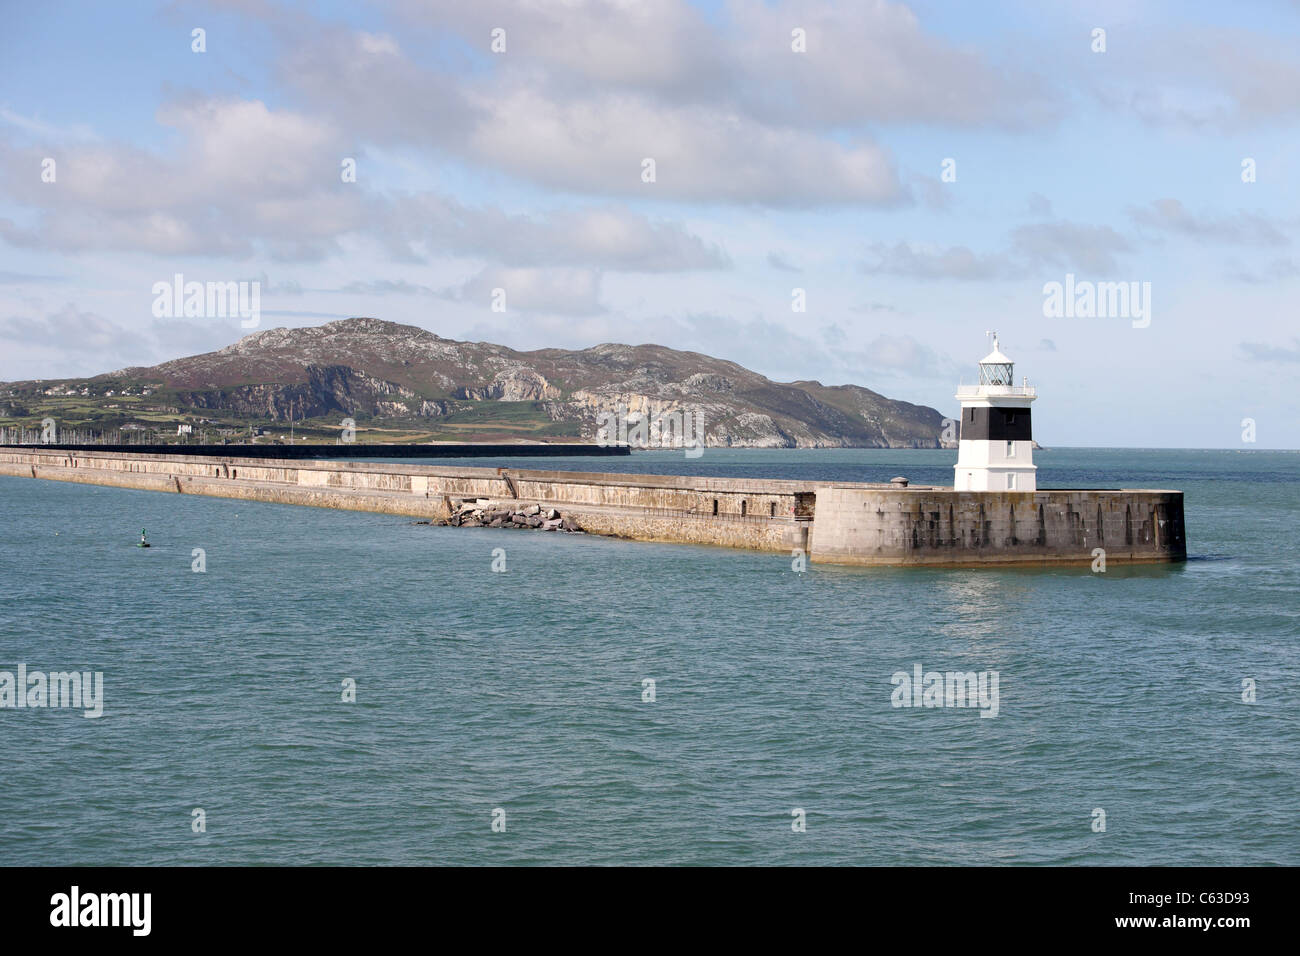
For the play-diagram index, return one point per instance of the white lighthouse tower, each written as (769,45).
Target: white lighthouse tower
(996,450)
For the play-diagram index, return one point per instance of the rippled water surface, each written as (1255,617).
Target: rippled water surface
(523,690)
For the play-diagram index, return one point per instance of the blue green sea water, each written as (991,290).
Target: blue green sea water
(523,690)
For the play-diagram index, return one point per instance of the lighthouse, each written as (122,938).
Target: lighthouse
(996,450)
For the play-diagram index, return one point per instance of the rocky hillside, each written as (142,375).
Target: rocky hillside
(374,370)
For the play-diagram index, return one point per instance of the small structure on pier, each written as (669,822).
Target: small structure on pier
(996,450)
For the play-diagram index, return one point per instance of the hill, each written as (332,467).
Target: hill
(400,382)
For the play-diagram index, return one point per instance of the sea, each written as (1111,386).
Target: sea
(301,686)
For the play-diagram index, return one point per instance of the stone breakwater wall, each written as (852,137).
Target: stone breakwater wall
(765,515)
(858,523)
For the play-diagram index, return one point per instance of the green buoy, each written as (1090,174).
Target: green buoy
(143,541)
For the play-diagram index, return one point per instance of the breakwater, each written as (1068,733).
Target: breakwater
(849,523)
(353,450)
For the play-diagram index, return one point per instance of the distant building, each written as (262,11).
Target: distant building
(184,429)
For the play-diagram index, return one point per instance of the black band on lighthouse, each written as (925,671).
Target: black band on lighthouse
(995,424)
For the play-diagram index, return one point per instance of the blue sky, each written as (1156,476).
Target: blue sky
(775,170)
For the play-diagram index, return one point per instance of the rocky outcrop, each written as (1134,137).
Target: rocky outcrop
(328,390)
(515,384)
(488,513)
(430,409)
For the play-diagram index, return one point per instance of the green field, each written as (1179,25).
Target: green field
(77,416)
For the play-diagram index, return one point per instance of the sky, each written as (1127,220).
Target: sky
(848,192)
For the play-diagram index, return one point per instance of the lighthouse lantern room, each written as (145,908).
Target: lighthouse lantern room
(996,450)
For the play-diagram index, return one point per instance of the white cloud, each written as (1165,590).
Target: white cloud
(598,145)
(1070,245)
(1212,78)
(1073,245)
(930,261)
(563,291)
(247,181)
(1239,228)
(70,329)
(866,62)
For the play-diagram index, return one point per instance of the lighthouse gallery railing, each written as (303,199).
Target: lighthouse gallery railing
(1010,391)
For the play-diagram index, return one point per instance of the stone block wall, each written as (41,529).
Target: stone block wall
(941,526)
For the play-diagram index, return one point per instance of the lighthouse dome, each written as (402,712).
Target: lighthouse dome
(996,368)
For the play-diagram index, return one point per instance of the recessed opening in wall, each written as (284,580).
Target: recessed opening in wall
(744,508)
(715,507)
(772,509)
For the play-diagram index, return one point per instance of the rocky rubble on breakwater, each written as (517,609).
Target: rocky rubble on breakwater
(481,513)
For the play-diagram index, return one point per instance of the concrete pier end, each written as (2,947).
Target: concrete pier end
(940,526)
